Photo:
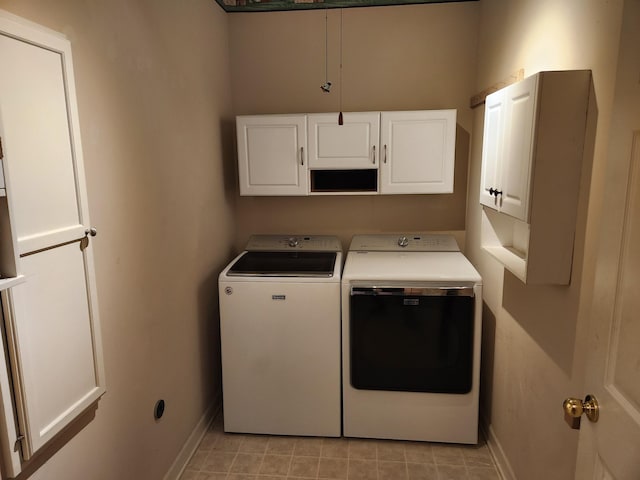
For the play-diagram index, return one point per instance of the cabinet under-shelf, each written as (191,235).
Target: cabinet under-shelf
(343,181)
(507,240)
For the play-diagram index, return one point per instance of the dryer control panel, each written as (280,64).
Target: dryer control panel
(404,242)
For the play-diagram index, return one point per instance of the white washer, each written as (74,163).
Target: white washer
(411,328)
(280,336)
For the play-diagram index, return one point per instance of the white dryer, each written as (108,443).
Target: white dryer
(411,328)
(280,336)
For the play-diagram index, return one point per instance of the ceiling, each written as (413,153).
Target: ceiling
(272,5)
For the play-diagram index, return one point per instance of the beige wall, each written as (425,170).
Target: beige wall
(153,88)
(156,81)
(534,337)
(406,57)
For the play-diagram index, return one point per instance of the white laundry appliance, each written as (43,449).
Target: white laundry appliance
(280,336)
(411,328)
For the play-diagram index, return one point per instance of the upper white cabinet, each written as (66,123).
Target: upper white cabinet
(272,154)
(535,138)
(353,145)
(417,151)
(370,153)
(507,149)
(51,369)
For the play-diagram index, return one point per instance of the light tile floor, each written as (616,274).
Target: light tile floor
(227,456)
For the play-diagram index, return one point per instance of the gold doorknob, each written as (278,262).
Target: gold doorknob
(574,408)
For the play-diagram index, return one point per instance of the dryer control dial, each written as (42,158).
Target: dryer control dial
(293,242)
(403,241)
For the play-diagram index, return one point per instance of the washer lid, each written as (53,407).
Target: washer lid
(284,264)
(309,243)
(404,242)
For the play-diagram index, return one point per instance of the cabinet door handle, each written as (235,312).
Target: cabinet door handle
(385,153)
(374,154)
(301,155)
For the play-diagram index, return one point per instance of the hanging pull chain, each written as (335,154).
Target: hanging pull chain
(326,86)
(340,119)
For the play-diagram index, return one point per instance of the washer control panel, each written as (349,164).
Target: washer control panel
(309,243)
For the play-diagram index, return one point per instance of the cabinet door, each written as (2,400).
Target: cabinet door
(57,373)
(53,332)
(353,145)
(272,154)
(516,167)
(492,149)
(417,151)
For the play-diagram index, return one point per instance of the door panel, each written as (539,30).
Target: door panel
(352,145)
(492,148)
(428,341)
(58,373)
(518,145)
(418,152)
(624,354)
(51,323)
(616,436)
(610,448)
(271,154)
(37,132)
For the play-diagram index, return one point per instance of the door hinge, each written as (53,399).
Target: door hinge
(18,443)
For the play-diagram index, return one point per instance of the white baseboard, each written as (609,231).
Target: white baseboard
(502,463)
(193,441)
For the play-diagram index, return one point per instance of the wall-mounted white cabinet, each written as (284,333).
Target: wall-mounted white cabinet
(352,145)
(409,152)
(272,154)
(535,135)
(51,368)
(508,148)
(418,151)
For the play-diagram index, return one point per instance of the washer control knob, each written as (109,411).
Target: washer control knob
(403,241)
(293,242)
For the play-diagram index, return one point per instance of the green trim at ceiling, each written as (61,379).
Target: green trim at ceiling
(274,5)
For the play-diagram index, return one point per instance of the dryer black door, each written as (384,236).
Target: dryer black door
(412,339)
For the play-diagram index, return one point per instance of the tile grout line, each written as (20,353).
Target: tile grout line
(225,444)
(377,463)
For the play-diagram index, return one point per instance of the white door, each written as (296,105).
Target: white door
(610,448)
(417,151)
(51,319)
(353,145)
(492,149)
(272,154)
(515,169)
